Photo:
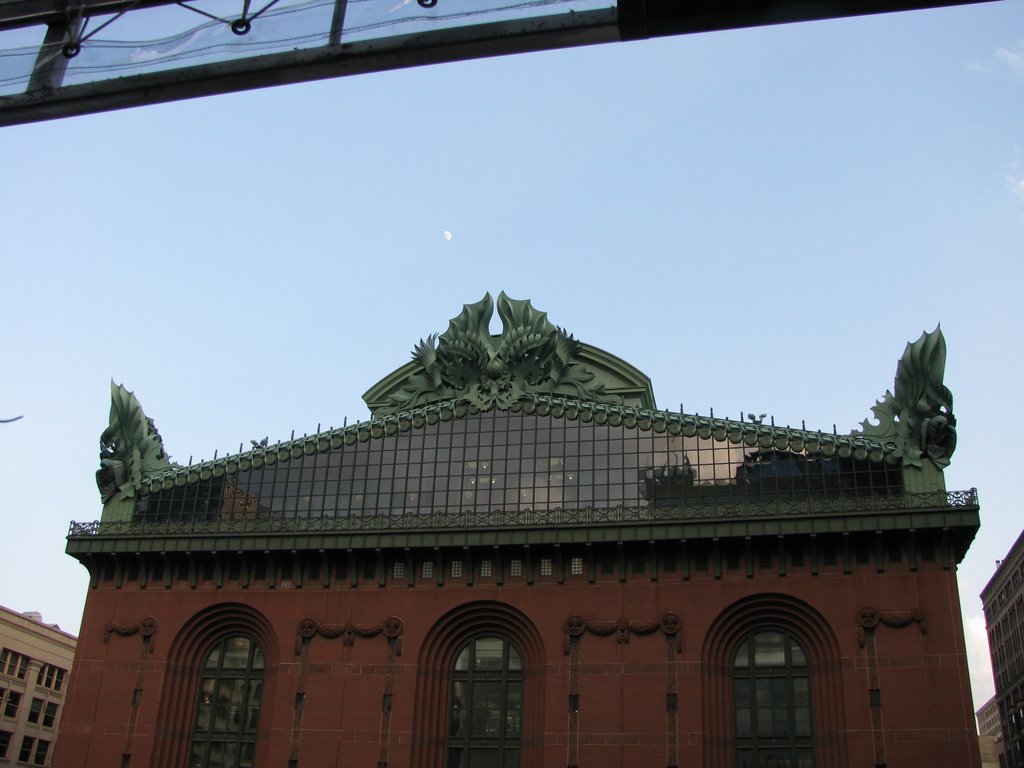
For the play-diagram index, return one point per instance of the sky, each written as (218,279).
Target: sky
(758,219)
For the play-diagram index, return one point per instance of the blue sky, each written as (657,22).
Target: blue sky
(758,219)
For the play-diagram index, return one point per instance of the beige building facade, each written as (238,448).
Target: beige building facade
(990,734)
(35,667)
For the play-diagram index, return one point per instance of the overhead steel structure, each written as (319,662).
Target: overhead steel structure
(60,58)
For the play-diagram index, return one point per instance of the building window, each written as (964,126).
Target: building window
(485,568)
(42,750)
(486,705)
(515,567)
(50,715)
(545,566)
(576,566)
(35,710)
(11,706)
(228,709)
(427,569)
(398,570)
(28,743)
(5,742)
(50,676)
(772,702)
(13,664)
(456,569)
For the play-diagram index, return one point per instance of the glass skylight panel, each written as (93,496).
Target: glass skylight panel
(371,19)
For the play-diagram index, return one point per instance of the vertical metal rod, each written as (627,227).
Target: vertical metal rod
(337,22)
(51,64)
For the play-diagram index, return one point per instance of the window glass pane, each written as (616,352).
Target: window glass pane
(514,663)
(769,649)
(236,652)
(774,758)
(215,757)
(801,695)
(213,659)
(514,706)
(489,652)
(195,758)
(797,655)
(459,714)
(247,755)
(742,655)
(484,758)
(743,726)
(11,707)
(485,717)
(802,718)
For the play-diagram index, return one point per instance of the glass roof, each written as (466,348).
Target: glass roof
(507,461)
(137,41)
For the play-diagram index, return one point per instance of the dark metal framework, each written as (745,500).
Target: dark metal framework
(502,462)
(59,74)
(486,705)
(772,703)
(228,706)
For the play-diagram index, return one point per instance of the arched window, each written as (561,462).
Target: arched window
(485,716)
(228,709)
(772,703)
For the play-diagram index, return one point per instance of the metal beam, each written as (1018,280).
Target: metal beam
(46,97)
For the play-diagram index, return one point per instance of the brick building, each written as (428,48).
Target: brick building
(35,663)
(519,560)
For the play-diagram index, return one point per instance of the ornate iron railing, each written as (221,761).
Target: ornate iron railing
(709,510)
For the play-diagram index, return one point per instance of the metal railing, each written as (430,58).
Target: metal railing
(709,510)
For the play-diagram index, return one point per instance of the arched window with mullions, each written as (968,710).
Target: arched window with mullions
(772,703)
(228,707)
(486,704)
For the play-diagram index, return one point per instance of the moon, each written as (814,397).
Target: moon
(447,234)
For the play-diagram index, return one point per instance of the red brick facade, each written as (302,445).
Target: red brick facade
(889,685)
